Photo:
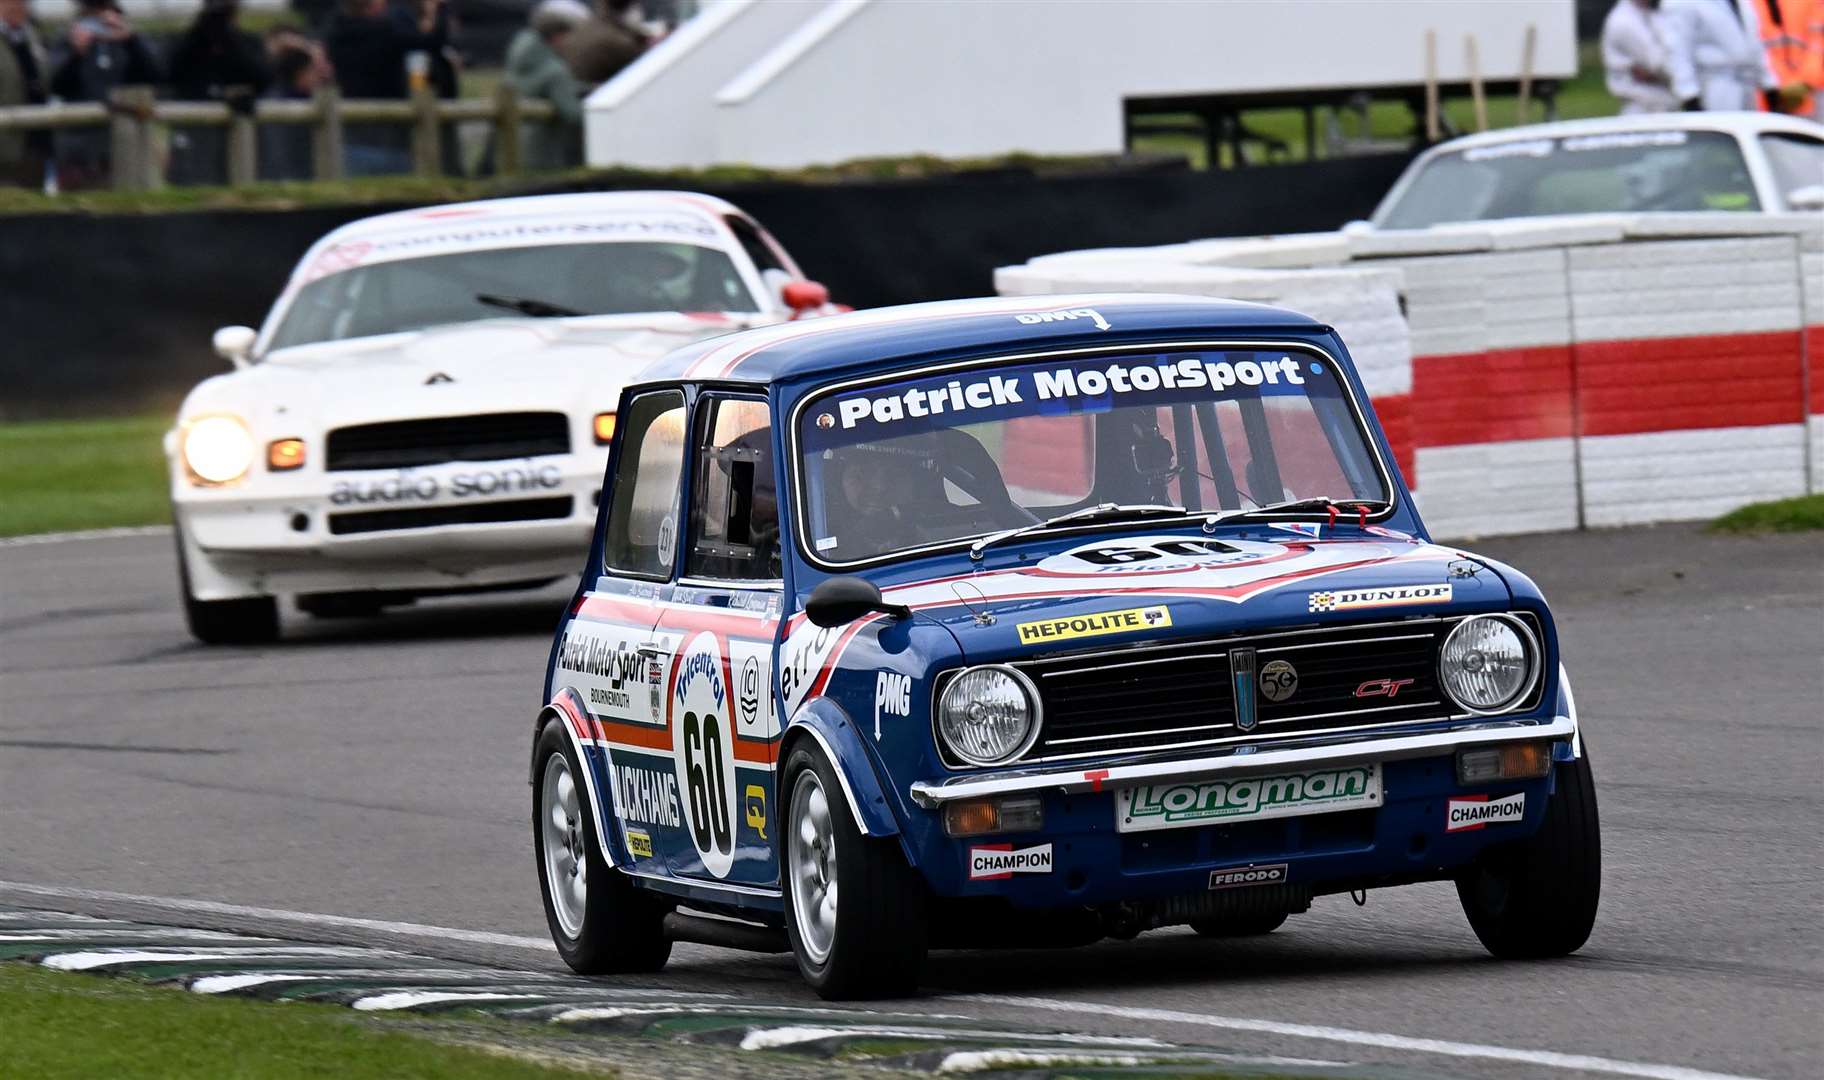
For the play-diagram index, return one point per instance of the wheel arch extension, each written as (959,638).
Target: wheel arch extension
(827,723)
(567,708)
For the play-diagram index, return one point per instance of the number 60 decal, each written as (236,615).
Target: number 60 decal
(703,752)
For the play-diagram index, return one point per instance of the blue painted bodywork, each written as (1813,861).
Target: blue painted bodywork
(881,757)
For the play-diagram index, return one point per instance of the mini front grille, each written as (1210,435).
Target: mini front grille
(1179,695)
(437,440)
(430,517)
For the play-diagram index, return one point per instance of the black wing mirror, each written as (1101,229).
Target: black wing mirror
(841,600)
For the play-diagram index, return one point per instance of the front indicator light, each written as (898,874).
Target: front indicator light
(217,449)
(604,428)
(284,455)
(979,817)
(1494,764)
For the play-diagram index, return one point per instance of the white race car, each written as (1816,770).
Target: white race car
(428,406)
(1652,162)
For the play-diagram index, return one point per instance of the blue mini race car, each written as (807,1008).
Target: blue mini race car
(1033,621)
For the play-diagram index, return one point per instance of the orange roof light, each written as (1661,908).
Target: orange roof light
(283,455)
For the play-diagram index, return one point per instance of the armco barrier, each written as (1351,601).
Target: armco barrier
(1555,372)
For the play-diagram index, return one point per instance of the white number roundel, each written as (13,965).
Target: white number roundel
(703,752)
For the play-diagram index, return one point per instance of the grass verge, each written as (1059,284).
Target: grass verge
(55,1025)
(1785,515)
(82,474)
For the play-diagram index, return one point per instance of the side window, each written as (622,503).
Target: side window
(1797,162)
(757,249)
(734,526)
(643,521)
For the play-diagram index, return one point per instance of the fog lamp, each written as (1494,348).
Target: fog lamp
(604,428)
(978,817)
(284,455)
(1493,764)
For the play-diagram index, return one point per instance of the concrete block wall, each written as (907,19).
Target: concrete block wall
(1557,372)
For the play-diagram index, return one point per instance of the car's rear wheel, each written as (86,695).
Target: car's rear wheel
(252,620)
(1537,898)
(854,910)
(600,921)
(1240,926)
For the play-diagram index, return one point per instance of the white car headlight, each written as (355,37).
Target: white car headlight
(217,449)
(1489,662)
(988,715)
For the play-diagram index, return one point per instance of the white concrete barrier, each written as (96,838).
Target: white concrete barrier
(1556,371)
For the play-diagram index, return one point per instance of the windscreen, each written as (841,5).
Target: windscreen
(621,278)
(1622,172)
(897,466)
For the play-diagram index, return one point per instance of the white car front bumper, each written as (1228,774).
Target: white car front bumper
(453,526)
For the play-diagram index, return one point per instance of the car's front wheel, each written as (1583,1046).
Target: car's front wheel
(1537,897)
(854,910)
(252,620)
(600,921)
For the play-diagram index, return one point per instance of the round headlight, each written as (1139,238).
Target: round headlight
(988,715)
(1488,662)
(218,449)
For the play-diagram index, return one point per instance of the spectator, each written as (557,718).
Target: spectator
(101,54)
(24,155)
(1793,33)
(368,45)
(601,47)
(299,70)
(1647,66)
(214,61)
(535,69)
(1725,42)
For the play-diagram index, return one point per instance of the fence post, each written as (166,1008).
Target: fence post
(243,149)
(506,129)
(427,154)
(326,135)
(130,144)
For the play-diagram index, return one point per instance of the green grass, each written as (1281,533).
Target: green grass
(1579,97)
(1786,515)
(54,1026)
(82,474)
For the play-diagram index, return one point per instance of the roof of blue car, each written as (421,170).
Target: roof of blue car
(879,336)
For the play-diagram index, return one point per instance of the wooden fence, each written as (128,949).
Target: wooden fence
(132,113)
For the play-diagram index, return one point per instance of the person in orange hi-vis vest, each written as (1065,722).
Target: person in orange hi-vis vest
(1792,31)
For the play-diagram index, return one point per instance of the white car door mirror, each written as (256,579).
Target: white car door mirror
(235,344)
(1809,197)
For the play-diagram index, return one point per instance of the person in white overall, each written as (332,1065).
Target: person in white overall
(1647,67)
(1724,37)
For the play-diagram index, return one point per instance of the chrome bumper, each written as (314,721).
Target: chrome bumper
(1430,744)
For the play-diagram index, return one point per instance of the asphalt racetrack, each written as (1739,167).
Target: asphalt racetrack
(375,770)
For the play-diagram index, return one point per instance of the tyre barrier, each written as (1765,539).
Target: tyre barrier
(1549,373)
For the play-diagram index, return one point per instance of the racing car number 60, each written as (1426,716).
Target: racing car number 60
(703,752)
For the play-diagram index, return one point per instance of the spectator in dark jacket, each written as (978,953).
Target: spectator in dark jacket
(298,70)
(101,54)
(368,46)
(214,61)
(24,73)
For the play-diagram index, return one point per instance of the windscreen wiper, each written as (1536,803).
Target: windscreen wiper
(1099,512)
(536,309)
(1361,507)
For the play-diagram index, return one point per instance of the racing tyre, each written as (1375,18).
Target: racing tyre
(601,922)
(1241,926)
(252,620)
(1537,898)
(854,911)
